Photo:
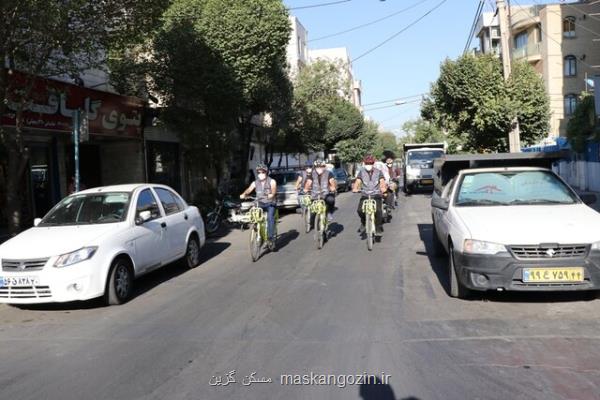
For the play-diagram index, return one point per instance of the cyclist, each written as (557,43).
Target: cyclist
(301,181)
(394,178)
(370,181)
(322,182)
(266,191)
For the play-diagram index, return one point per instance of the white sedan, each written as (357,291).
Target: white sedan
(516,228)
(96,242)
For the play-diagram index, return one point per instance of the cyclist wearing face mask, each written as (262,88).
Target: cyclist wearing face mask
(322,182)
(301,181)
(370,181)
(266,190)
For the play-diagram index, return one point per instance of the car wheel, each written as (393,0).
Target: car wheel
(120,282)
(457,289)
(438,248)
(192,253)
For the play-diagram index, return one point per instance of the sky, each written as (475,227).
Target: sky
(406,65)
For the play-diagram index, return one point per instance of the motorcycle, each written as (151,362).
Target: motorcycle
(230,211)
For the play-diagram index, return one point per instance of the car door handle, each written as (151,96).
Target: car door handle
(163,225)
(185,216)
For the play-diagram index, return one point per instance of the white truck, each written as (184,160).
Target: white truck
(417,167)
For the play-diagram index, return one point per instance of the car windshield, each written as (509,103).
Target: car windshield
(513,188)
(85,209)
(339,174)
(429,155)
(285,178)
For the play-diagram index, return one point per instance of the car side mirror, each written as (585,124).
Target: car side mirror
(439,202)
(37,221)
(589,199)
(143,217)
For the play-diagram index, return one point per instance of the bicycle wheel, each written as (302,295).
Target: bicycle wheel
(370,231)
(318,233)
(255,242)
(306,219)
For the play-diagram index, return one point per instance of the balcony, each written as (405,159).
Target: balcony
(525,17)
(530,53)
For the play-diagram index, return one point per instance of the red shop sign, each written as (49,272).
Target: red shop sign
(54,102)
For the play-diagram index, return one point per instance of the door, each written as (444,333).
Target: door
(41,182)
(177,221)
(441,216)
(149,237)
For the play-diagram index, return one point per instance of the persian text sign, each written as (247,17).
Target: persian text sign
(53,103)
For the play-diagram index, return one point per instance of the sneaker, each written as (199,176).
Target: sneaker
(362,229)
(379,231)
(330,218)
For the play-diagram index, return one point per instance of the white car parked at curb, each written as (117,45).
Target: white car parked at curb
(96,242)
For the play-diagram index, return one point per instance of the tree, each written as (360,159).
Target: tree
(582,125)
(354,150)
(323,116)
(46,39)
(472,101)
(422,131)
(386,145)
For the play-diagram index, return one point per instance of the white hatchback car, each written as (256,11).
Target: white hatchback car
(95,242)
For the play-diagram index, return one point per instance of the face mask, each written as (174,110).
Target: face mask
(308,170)
(262,176)
(389,164)
(319,171)
(369,168)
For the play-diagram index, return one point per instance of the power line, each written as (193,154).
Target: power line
(331,3)
(474,25)
(397,98)
(368,23)
(574,23)
(393,105)
(399,32)
(550,37)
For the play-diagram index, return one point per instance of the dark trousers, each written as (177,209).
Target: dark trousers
(329,202)
(378,213)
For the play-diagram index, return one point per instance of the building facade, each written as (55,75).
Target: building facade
(561,41)
(297,48)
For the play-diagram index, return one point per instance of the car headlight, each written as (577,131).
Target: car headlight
(74,257)
(481,247)
(412,172)
(596,246)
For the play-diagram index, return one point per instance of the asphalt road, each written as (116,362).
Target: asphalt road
(301,311)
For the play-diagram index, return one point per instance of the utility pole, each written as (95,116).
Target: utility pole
(514,136)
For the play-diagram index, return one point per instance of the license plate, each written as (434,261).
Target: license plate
(567,274)
(427,181)
(19,281)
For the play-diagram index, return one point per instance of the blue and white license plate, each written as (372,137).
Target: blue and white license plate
(19,281)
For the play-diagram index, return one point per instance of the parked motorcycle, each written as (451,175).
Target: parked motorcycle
(232,212)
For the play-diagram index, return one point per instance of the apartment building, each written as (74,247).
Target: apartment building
(561,41)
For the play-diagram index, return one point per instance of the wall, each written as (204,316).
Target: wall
(122,162)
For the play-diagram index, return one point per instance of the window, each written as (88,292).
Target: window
(570,104)
(521,40)
(97,208)
(569,27)
(570,65)
(147,202)
(168,201)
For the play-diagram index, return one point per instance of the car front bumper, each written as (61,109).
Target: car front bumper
(419,183)
(505,272)
(81,281)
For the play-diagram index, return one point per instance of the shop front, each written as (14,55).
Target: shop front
(112,153)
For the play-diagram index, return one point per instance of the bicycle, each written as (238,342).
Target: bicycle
(319,209)
(258,230)
(369,208)
(305,204)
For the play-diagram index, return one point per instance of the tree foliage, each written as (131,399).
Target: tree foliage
(322,115)
(582,125)
(353,150)
(51,39)
(473,102)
